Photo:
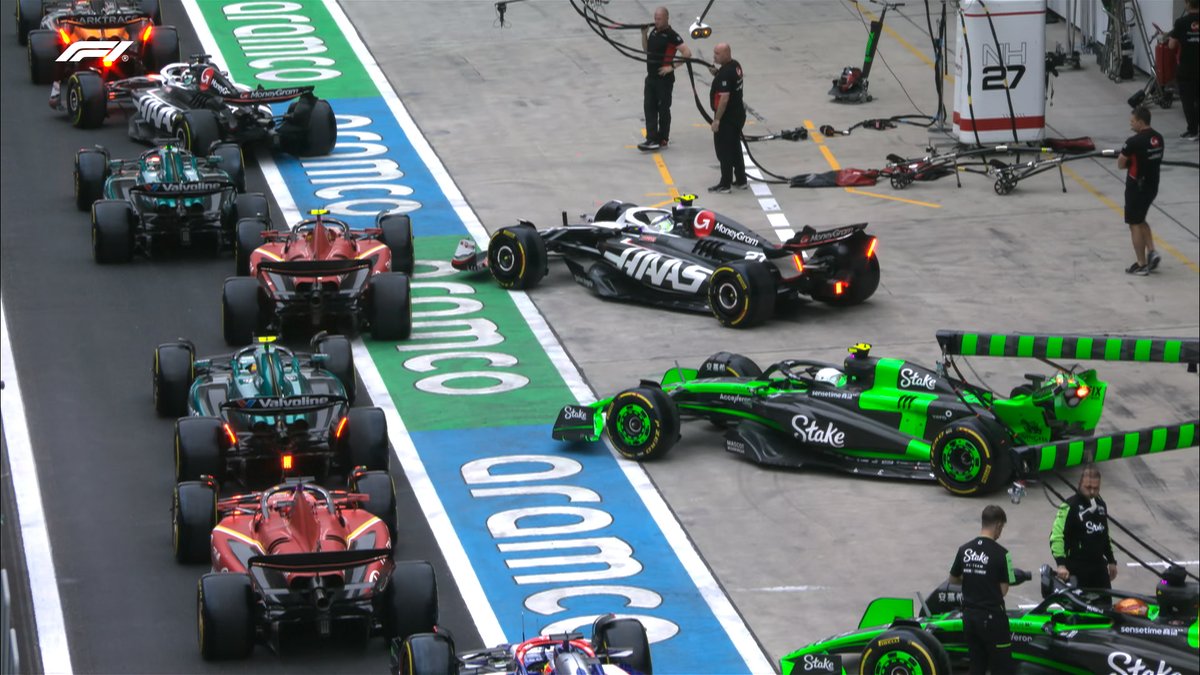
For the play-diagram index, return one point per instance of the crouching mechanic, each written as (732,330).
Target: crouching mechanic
(984,569)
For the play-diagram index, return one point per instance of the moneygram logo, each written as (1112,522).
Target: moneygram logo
(109,50)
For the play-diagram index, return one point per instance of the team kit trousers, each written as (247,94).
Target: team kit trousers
(728,143)
(989,642)
(656,99)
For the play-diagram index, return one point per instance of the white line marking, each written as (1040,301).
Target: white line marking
(717,601)
(782,589)
(31,518)
(766,199)
(1163,563)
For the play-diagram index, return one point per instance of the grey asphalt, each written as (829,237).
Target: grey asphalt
(83,338)
(541,116)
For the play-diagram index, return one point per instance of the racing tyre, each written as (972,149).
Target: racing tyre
(339,360)
(642,423)
(517,257)
(390,311)
(225,616)
(320,134)
(428,654)
(197,130)
(87,102)
(741,294)
(91,171)
(863,283)
(971,456)
(381,494)
(241,312)
(198,448)
(42,49)
(29,17)
(898,652)
(112,231)
(232,163)
(728,364)
(365,440)
(412,600)
(611,210)
(164,48)
(940,656)
(193,516)
(612,634)
(249,237)
(252,205)
(173,377)
(398,237)
(152,9)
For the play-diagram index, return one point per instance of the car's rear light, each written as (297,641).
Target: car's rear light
(287,462)
(341,427)
(798,262)
(62,34)
(230,435)
(147,33)
(1082,391)
(871,246)
(840,287)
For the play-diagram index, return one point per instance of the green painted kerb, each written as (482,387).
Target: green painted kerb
(286,44)
(472,360)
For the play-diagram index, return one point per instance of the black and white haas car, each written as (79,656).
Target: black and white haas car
(686,258)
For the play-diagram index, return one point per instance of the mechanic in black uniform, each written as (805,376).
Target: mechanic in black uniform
(1185,37)
(1142,157)
(1079,539)
(729,116)
(660,42)
(984,569)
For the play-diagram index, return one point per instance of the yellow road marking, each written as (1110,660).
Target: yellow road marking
(666,175)
(829,157)
(1104,199)
(659,205)
(893,198)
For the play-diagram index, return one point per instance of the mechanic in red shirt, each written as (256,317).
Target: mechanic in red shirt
(661,43)
(1141,157)
(729,116)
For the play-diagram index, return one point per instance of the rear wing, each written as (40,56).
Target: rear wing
(93,20)
(1073,452)
(260,95)
(321,561)
(314,268)
(811,238)
(1090,347)
(275,406)
(196,189)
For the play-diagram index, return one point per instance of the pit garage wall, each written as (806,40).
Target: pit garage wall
(1091,19)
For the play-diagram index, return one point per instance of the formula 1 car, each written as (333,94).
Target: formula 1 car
(299,556)
(264,412)
(321,273)
(894,418)
(1071,630)
(113,39)
(164,199)
(686,258)
(618,647)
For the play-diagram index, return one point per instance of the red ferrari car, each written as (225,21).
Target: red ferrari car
(320,275)
(300,559)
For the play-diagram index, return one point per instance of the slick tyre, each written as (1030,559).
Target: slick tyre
(612,634)
(381,497)
(225,616)
(427,654)
(252,205)
(248,236)
(173,377)
(398,237)
(86,99)
(42,49)
(320,135)
(898,652)
(390,309)
(642,423)
(241,310)
(741,294)
(365,441)
(29,17)
(971,456)
(152,9)
(412,600)
(339,360)
(91,172)
(232,163)
(198,448)
(164,48)
(193,516)
(940,656)
(610,211)
(197,130)
(517,257)
(863,283)
(728,364)
(112,232)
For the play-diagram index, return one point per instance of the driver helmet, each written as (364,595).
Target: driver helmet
(663,223)
(831,376)
(1132,607)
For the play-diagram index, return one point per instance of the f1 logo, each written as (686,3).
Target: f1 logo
(109,50)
